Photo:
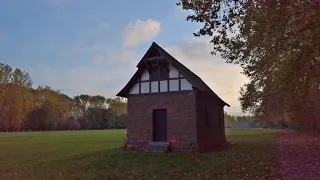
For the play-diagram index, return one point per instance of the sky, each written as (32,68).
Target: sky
(93,47)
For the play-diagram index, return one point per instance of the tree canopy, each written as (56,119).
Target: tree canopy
(25,108)
(276,42)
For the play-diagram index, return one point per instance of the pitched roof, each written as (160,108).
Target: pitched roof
(195,80)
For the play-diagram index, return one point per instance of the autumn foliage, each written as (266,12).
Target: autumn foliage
(25,108)
(276,42)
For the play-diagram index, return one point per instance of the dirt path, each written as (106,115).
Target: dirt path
(299,155)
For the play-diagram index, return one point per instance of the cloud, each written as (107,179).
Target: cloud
(224,79)
(140,32)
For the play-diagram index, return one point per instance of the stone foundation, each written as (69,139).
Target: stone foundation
(136,145)
(174,147)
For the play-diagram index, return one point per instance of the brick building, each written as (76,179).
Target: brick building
(169,103)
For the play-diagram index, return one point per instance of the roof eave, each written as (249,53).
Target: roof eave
(120,94)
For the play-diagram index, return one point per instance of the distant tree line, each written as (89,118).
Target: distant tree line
(43,109)
(241,121)
(229,120)
(248,121)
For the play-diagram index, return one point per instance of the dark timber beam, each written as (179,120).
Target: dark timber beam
(155,58)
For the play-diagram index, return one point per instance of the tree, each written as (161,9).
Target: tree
(15,105)
(61,105)
(98,101)
(5,73)
(85,124)
(280,56)
(23,107)
(16,76)
(98,117)
(21,78)
(72,124)
(117,107)
(42,118)
(15,97)
(121,121)
(229,120)
(83,102)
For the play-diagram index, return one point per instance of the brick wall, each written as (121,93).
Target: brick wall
(181,120)
(211,133)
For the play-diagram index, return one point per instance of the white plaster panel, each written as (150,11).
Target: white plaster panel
(185,85)
(134,89)
(173,72)
(145,76)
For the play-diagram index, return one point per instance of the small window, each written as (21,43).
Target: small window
(159,74)
(163,86)
(145,87)
(206,116)
(174,85)
(154,86)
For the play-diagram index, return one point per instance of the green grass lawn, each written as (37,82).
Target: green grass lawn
(97,155)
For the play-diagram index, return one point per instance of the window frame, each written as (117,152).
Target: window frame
(159,74)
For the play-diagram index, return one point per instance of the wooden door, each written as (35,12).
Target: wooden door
(160,125)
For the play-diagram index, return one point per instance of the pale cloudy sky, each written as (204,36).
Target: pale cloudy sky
(93,47)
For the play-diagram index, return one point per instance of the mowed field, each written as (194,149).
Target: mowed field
(98,155)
